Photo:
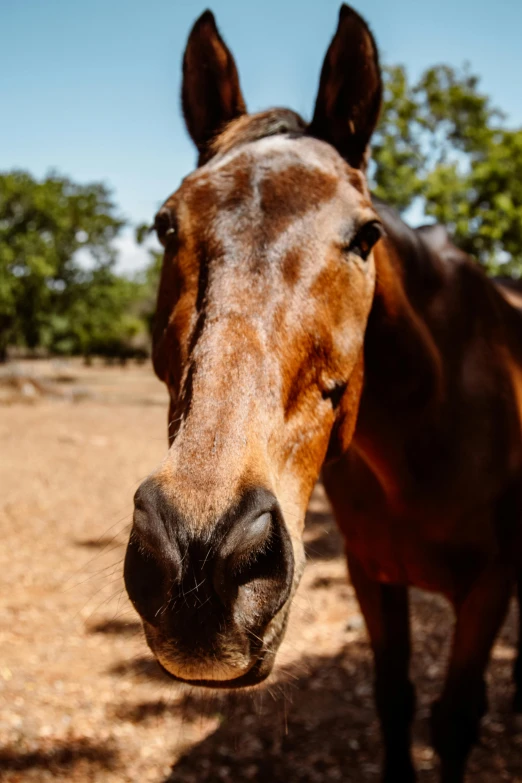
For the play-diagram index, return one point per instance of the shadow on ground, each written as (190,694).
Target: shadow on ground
(117,627)
(96,543)
(144,667)
(316,721)
(59,758)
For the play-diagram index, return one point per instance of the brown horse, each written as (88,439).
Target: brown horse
(302,326)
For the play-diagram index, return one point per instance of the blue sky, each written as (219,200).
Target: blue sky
(91,88)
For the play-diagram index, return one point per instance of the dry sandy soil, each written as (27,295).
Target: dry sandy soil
(80,697)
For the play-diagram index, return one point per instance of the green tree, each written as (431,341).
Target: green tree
(440,143)
(440,140)
(102,317)
(43,226)
(397,157)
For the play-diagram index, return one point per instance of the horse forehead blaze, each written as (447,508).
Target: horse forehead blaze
(272,181)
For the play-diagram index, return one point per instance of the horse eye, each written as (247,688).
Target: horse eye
(365,239)
(164,225)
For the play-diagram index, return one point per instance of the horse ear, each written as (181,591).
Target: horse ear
(350,90)
(211,95)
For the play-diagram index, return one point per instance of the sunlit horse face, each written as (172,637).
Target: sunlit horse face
(267,283)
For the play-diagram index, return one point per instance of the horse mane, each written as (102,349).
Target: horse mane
(252,127)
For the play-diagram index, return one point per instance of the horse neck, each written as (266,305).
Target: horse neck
(404,367)
(431,303)
(403,362)
(437,328)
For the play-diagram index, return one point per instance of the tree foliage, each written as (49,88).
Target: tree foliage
(441,141)
(49,297)
(440,146)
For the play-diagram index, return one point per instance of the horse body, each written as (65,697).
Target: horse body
(429,493)
(437,455)
(300,326)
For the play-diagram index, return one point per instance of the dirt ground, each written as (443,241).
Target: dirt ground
(80,697)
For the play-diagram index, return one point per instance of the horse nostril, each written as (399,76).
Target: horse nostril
(254,570)
(154,525)
(249,539)
(144,581)
(152,561)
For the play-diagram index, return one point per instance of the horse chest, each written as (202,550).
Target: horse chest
(418,545)
(402,551)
